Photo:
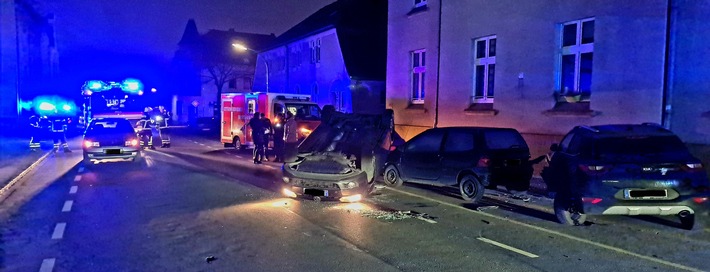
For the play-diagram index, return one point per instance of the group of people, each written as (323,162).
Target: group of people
(154,123)
(285,137)
(42,127)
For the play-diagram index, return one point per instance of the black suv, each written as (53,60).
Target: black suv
(624,170)
(468,157)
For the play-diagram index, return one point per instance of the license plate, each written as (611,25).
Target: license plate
(315,192)
(645,194)
(113,151)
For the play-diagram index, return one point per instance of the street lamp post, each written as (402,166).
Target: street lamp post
(241,47)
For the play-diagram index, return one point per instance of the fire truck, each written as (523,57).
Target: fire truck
(112,99)
(238,108)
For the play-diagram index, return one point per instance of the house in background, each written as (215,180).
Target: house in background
(337,55)
(546,66)
(206,65)
(28,55)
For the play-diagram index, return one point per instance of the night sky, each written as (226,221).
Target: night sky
(118,38)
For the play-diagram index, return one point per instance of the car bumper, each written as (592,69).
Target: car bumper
(111,153)
(333,187)
(646,208)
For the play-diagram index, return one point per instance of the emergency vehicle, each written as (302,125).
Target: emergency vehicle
(112,99)
(238,108)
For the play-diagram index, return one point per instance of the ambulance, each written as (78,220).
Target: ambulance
(238,108)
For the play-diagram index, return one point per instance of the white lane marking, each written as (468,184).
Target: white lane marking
(519,251)
(73,189)
(47,265)
(67,205)
(581,240)
(77,178)
(81,169)
(202,144)
(59,231)
(149,161)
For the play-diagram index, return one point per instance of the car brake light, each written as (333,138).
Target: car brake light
(592,200)
(700,200)
(484,161)
(132,142)
(88,144)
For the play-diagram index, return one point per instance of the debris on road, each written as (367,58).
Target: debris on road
(483,208)
(396,215)
(210,259)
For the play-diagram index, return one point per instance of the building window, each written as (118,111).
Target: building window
(419,3)
(233,83)
(315,51)
(577,55)
(484,69)
(418,71)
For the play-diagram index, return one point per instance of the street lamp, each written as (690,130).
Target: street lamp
(241,47)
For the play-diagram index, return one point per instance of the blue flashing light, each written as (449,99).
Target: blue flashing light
(66,107)
(95,85)
(46,106)
(153,90)
(132,86)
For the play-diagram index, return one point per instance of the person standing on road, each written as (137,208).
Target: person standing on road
(268,131)
(279,138)
(257,135)
(59,127)
(35,132)
(290,138)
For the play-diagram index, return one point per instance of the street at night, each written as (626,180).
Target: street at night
(200,207)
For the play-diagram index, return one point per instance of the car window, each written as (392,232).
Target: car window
(639,145)
(575,145)
(458,141)
(428,141)
(504,139)
(565,142)
(110,126)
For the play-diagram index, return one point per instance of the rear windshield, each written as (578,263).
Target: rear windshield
(109,127)
(504,139)
(644,145)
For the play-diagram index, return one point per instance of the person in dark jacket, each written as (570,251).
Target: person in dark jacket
(290,138)
(268,132)
(257,135)
(279,138)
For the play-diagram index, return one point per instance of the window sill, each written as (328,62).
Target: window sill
(481,109)
(417,10)
(578,109)
(416,107)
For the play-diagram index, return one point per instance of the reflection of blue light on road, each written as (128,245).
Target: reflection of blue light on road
(46,106)
(158,118)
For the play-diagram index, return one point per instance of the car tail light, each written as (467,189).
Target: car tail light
(700,200)
(132,142)
(692,167)
(594,169)
(593,200)
(88,144)
(484,162)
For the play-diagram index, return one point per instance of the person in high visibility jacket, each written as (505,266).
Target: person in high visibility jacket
(35,132)
(59,127)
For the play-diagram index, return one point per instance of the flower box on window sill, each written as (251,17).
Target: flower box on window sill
(570,97)
(481,109)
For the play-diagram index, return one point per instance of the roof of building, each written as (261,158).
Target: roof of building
(361,26)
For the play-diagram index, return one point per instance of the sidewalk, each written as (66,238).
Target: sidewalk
(15,155)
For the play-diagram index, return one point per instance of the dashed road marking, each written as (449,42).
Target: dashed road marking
(47,265)
(67,205)
(542,229)
(202,144)
(519,251)
(77,178)
(59,231)
(81,169)
(73,189)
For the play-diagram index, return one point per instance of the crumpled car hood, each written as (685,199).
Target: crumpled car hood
(325,163)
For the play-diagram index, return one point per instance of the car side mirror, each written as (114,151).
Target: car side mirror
(554,147)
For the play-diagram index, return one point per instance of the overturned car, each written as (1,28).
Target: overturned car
(340,159)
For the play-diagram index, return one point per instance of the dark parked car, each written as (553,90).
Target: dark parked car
(640,169)
(341,158)
(471,158)
(110,139)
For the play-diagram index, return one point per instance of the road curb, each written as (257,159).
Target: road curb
(6,190)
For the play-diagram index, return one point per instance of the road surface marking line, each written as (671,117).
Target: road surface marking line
(59,231)
(47,265)
(202,144)
(519,251)
(582,240)
(73,189)
(77,178)
(81,169)
(19,177)
(67,205)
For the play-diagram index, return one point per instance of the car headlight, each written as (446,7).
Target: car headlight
(305,131)
(286,179)
(348,185)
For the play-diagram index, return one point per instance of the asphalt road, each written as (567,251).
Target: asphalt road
(200,207)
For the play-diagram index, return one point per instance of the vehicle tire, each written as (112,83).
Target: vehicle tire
(471,189)
(687,222)
(569,211)
(236,143)
(391,176)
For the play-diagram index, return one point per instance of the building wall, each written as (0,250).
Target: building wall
(8,61)
(628,67)
(293,70)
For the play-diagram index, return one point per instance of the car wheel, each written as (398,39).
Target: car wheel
(236,144)
(569,211)
(392,177)
(687,222)
(471,189)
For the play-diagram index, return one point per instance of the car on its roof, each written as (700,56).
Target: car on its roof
(625,169)
(110,139)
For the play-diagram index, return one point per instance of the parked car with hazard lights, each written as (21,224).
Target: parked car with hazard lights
(469,158)
(110,139)
(341,158)
(635,169)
